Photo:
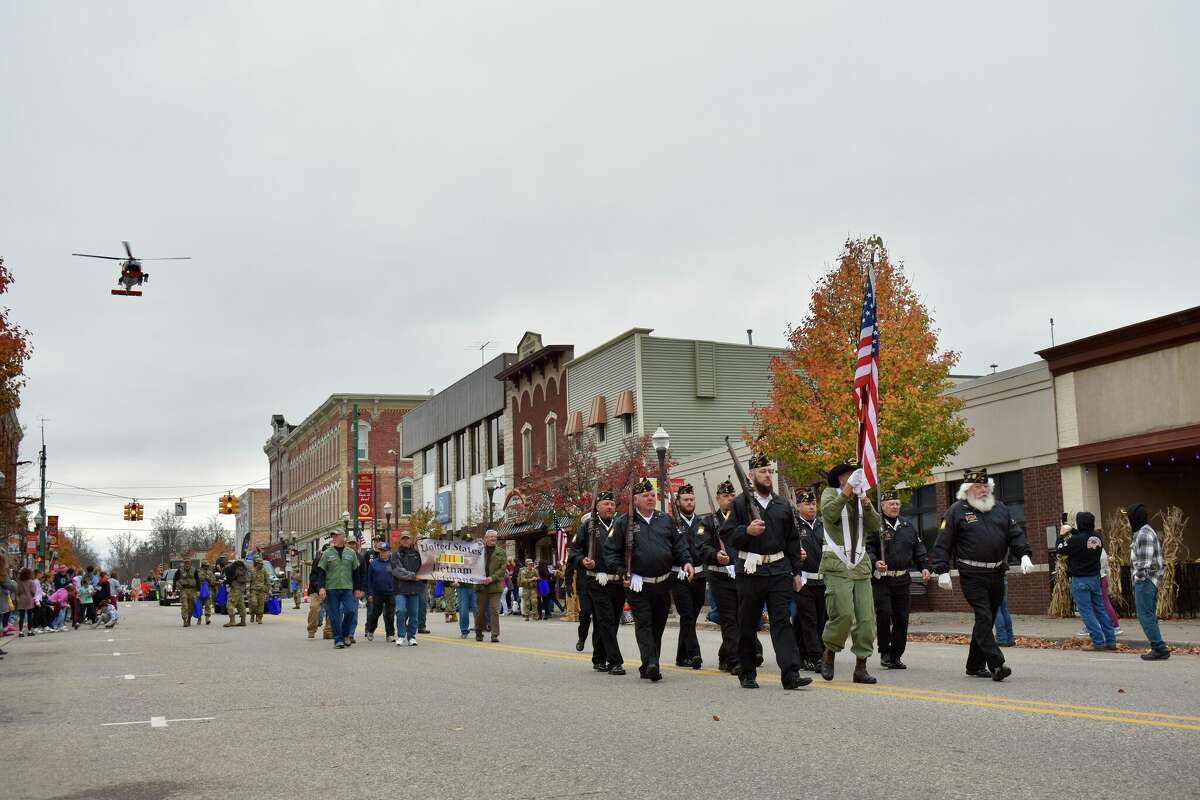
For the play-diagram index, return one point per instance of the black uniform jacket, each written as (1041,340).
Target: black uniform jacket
(780,535)
(657,546)
(702,541)
(977,536)
(714,522)
(581,546)
(904,550)
(812,539)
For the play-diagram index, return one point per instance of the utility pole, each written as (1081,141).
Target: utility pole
(41,520)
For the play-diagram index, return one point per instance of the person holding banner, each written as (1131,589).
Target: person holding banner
(848,518)
(488,592)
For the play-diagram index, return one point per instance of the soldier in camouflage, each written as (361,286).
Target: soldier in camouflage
(208,575)
(237,580)
(260,587)
(187,584)
(527,579)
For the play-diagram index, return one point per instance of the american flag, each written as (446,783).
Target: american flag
(866,383)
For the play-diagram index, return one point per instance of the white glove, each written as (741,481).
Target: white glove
(635,583)
(602,578)
(731,570)
(1026,565)
(944,581)
(803,581)
(858,482)
(751,562)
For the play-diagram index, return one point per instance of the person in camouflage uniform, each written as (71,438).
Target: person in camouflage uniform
(260,587)
(450,600)
(208,575)
(187,584)
(293,577)
(527,579)
(237,579)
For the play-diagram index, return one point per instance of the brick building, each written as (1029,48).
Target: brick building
(316,487)
(252,526)
(537,404)
(12,519)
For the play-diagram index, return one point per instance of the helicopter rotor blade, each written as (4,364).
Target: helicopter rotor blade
(89,255)
(127,250)
(173,258)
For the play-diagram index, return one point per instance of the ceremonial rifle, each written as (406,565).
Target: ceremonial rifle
(744,482)
(592,524)
(716,512)
(629,523)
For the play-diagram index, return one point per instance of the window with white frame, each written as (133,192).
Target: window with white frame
(551,441)
(364,431)
(526,449)
(406,498)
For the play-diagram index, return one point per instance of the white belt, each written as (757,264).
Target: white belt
(659,579)
(752,560)
(894,573)
(813,576)
(980,564)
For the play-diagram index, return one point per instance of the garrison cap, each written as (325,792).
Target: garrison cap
(975,475)
(685,489)
(806,496)
(890,494)
(643,485)
(725,487)
(605,495)
(759,460)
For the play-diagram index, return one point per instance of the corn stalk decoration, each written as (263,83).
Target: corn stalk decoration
(1173,552)
(1061,604)
(1117,538)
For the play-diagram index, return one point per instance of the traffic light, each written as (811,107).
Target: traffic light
(234,505)
(138,512)
(128,512)
(227,504)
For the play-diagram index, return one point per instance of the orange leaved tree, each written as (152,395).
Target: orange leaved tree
(811,422)
(14,351)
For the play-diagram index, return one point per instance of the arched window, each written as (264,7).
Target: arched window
(406,498)
(551,440)
(526,449)
(364,432)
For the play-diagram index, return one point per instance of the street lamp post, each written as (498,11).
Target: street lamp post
(662,445)
(491,484)
(387,515)
(346,522)
(396,487)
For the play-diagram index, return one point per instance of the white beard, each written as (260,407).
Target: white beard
(982,504)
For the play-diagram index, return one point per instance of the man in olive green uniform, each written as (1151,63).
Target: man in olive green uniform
(527,579)
(488,592)
(848,518)
(187,584)
(237,579)
(293,577)
(208,575)
(450,601)
(260,587)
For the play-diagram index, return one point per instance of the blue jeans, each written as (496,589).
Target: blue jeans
(465,599)
(353,614)
(59,618)
(712,615)
(1004,631)
(408,609)
(341,605)
(1145,594)
(423,599)
(1090,604)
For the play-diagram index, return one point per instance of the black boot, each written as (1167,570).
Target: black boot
(860,672)
(827,665)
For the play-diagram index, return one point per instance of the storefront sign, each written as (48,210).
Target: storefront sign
(366,497)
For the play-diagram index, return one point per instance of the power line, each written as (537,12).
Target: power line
(167,498)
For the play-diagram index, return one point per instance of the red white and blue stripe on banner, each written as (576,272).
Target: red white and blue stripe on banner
(866,384)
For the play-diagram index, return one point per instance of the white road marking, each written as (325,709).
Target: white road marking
(130,677)
(158,722)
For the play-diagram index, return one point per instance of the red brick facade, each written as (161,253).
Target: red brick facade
(537,396)
(1027,594)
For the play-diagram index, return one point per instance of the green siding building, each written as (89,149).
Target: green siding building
(699,391)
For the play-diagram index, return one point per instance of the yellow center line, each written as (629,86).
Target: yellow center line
(1046,708)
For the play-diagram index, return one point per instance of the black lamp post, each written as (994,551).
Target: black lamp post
(662,445)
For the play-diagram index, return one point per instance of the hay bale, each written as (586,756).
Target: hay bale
(1173,552)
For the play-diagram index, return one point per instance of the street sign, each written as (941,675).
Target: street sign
(52,523)
(181,509)
(441,507)
(31,543)
(366,497)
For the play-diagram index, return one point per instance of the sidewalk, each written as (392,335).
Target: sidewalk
(1175,632)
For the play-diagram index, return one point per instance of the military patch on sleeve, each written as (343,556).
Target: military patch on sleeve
(700,531)
(943,525)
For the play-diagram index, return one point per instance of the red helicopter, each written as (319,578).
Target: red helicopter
(131,270)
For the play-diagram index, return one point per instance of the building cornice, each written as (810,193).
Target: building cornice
(1159,333)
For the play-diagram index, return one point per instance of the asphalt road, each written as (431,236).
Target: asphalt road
(264,712)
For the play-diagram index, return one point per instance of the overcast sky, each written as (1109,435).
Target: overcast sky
(370,189)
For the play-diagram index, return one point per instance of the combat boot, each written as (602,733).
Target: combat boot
(229,624)
(860,672)
(827,665)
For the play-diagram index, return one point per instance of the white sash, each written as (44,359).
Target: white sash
(840,551)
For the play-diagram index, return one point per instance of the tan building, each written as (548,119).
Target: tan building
(1127,410)
(252,527)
